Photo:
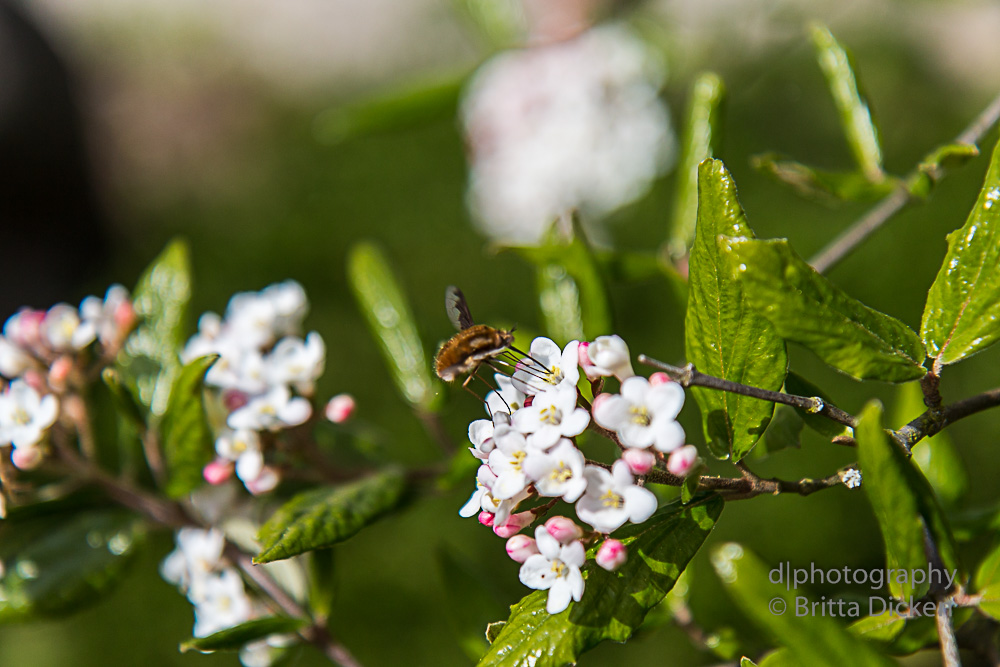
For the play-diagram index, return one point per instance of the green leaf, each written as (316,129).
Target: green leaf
(855,116)
(53,565)
(882,629)
(723,337)
(935,456)
(988,572)
(123,400)
(812,639)
(148,361)
(580,274)
(747,662)
(690,487)
(234,638)
(385,308)
(904,504)
(821,185)
(990,601)
(325,516)
(783,432)
(962,314)
(614,603)
(187,438)
(808,309)
(702,133)
(559,298)
(799,386)
(322,582)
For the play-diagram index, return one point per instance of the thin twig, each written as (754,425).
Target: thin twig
(946,633)
(688,376)
(935,419)
(900,198)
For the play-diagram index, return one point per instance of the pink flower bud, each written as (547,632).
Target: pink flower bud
(59,372)
(528,400)
(234,400)
(25,328)
(563,529)
(600,398)
(521,547)
(682,460)
(658,379)
(611,555)
(26,458)
(340,408)
(610,356)
(514,524)
(266,481)
(581,353)
(640,461)
(217,472)
(124,316)
(486,518)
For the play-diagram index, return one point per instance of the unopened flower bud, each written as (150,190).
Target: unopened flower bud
(26,458)
(340,408)
(521,547)
(25,328)
(584,360)
(217,472)
(234,400)
(682,460)
(563,529)
(640,461)
(611,555)
(124,316)
(59,372)
(514,524)
(659,378)
(609,355)
(486,518)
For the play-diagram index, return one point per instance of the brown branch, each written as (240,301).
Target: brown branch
(688,376)
(935,419)
(946,633)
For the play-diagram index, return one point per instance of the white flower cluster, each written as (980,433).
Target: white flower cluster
(40,351)
(197,566)
(528,450)
(262,362)
(572,125)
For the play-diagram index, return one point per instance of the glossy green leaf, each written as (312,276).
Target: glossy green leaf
(808,309)
(988,572)
(723,337)
(990,601)
(747,662)
(904,504)
(962,314)
(936,456)
(614,603)
(882,629)
(701,139)
(188,445)
(580,274)
(799,386)
(855,116)
(236,637)
(814,640)
(325,516)
(784,432)
(54,565)
(148,362)
(822,185)
(387,312)
(559,299)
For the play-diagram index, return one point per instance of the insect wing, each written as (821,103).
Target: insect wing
(458,309)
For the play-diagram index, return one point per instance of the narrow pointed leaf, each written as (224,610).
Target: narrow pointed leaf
(702,134)
(148,362)
(808,309)
(325,516)
(187,438)
(822,185)
(236,637)
(614,603)
(855,116)
(815,640)
(936,456)
(384,306)
(904,504)
(723,336)
(962,314)
(53,565)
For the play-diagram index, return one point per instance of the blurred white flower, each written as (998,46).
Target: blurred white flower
(275,410)
(221,603)
(25,415)
(571,125)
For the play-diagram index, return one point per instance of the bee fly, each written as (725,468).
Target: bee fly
(472,345)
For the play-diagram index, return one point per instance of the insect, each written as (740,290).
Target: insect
(472,345)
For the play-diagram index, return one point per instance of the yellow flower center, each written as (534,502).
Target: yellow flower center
(640,415)
(550,415)
(610,499)
(21,417)
(561,474)
(558,568)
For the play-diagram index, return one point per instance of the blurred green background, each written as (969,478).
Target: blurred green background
(215,124)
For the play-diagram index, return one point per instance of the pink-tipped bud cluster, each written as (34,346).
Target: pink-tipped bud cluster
(611,555)
(340,408)
(682,460)
(640,461)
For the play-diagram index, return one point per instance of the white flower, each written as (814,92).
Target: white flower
(484,482)
(609,356)
(198,554)
(552,415)
(24,415)
(573,125)
(558,472)
(13,360)
(296,362)
(481,437)
(643,415)
(110,317)
(507,398)
(237,368)
(483,499)
(290,305)
(547,367)
(242,447)
(63,331)
(612,499)
(221,603)
(555,568)
(273,411)
(507,461)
